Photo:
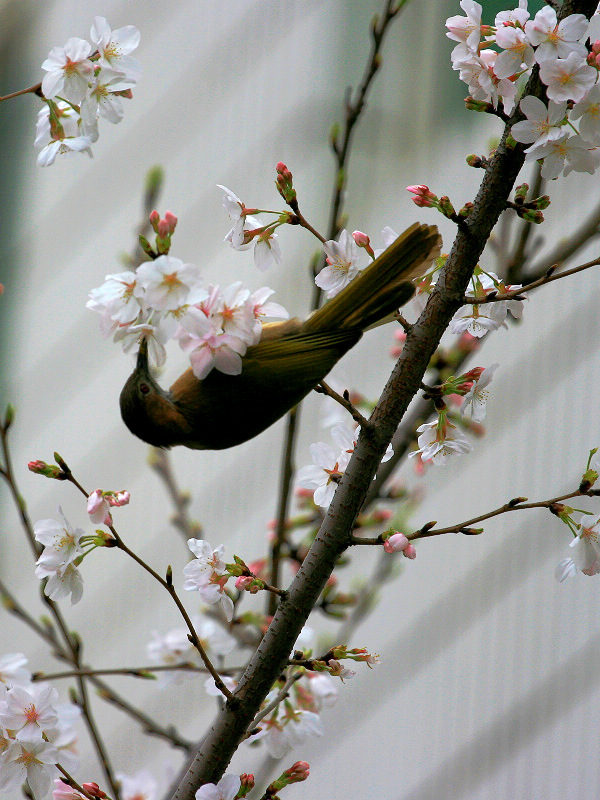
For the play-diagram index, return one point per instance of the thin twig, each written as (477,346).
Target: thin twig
(281,695)
(517,504)
(166,584)
(35,89)
(325,389)
(516,294)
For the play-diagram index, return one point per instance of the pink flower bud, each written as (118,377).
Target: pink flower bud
(93,789)
(48,470)
(243,583)
(395,543)
(154,220)
(97,508)
(473,374)
(424,198)
(409,551)
(361,239)
(298,772)
(247,781)
(120,499)
(171,221)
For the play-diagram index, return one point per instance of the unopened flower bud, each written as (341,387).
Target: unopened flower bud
(532,216)
(246,784)
(541,202)
(154,220)
(521,191)
(477,105)
(474,160)
(396,543)
(298,772)
(48,470)
(93,789)
(284,183)
(409,552)
(424,198)
(446,207)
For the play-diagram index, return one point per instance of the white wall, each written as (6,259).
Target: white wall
(488,685)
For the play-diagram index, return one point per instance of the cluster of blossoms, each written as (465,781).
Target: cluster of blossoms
(567,68)
(36,732)
(476,318)
(165,299)
(342,256)
(81,86)
(441,438)
(327,468)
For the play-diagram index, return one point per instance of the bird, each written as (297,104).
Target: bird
(291,358)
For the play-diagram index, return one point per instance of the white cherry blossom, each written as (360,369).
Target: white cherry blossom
(114,48)
(69,70)
(555,39)
(341,264)
(476,398)
(567,78)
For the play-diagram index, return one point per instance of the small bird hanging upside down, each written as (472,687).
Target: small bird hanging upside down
(290,359)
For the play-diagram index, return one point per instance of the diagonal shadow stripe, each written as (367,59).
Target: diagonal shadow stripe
(472,765)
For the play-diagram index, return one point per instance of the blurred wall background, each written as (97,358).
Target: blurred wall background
(489,684)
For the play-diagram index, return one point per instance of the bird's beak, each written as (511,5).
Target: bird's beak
(142,358)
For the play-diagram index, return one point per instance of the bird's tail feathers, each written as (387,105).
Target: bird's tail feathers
(383,286)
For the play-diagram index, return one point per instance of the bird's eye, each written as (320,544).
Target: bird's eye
(144,388)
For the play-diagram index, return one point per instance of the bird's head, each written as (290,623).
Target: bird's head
(147,409)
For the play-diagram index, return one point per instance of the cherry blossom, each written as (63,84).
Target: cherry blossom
(282,733)
(341,264)
(61,541)
(12,670)
(32,760)
(466,29)
(567,152)
(30,711)
(567,78)
(516,52)
(208,349)
(167,282)
(68,71)
(98,508)
(64,792)
(542,124)
(267,250)
(114,48)
(207,575)
(226,789)
(476,398)
(141,786)
(323,689)
(587,111)
(322,478)
(102,100)
(439,440)
(556,39)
